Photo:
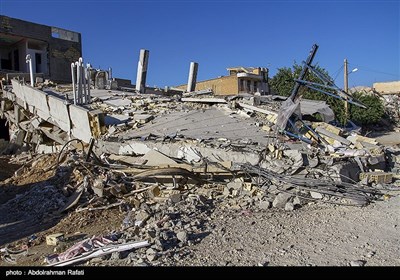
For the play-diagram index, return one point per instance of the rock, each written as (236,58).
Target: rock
(289,206)
(265,204)
(182,236)
(296,201)
(154,191)
(357,263)
(370,254)
(234,185)
(176,197)
(141,216)
(152,233)
(315,195)
(151,254)
(116,256)
(295,156)
(280,200)
(96,260)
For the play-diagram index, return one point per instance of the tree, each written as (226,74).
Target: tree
(283,83)
(371,115)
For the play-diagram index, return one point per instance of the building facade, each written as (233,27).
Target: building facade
(239,80)
(52,49)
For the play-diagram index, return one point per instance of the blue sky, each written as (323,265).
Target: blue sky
(219,34)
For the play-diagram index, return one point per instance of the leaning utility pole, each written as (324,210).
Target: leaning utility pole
(346,89)
(304,71)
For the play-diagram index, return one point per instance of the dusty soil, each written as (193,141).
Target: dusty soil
(317,235)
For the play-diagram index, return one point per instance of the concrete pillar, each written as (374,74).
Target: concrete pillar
(191,86)
(83,79)
(243,85)
(142,71)
(73,73)
(78,82)
(89,81)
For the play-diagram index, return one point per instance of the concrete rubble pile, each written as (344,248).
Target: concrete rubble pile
(163,163)
(392,107)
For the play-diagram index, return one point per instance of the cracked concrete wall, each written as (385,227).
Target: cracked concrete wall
(75,120)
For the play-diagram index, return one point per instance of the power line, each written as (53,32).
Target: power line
(338,72)
(373,70)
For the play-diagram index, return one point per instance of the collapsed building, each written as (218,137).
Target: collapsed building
(148,151)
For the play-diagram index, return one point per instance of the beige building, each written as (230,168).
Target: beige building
(387,87)
(240,80)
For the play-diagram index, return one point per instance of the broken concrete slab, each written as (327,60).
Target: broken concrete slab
(120,102)
(115,119)
(155,158)
(210,123)
(203,100)
(46,149)
(59,113)
(142,118)
(172,150)
(327,134)
(128,159)
(190,154)
(259,110)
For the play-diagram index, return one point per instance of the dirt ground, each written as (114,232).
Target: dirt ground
(316,234)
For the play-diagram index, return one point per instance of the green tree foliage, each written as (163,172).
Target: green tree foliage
(283,83)
(371,115)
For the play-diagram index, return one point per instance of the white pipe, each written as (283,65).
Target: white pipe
(83,72)
(78,82)
(89,77)
(29,60)
(73,81)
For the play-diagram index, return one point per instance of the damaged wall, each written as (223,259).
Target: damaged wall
(61,49)
(75,121)
(220,86)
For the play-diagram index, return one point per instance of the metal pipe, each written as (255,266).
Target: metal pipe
(29,60)
(78,81)
(83,73)
(73,81)
(89,77)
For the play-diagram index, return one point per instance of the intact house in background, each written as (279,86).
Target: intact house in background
(240,80)
(52,49)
